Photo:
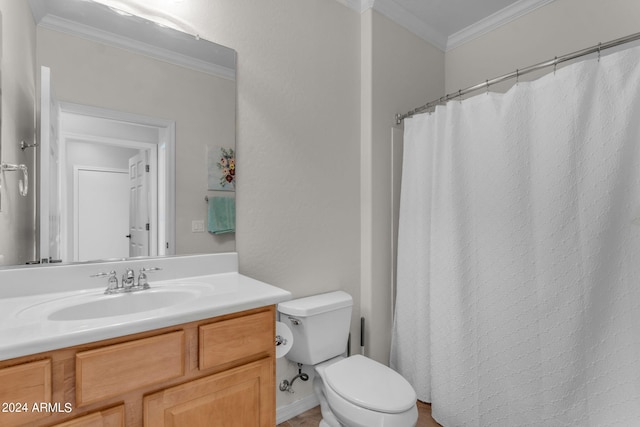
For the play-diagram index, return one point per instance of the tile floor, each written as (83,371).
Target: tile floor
(312,418)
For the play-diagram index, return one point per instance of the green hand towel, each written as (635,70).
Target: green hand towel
(222,215)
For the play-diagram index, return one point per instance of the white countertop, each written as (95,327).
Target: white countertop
(25,329)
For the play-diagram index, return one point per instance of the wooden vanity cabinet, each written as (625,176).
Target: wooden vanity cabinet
(213,372)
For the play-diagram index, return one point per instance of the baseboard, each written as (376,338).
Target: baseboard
(286,412)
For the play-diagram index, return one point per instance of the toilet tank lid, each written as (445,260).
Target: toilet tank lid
(316,304)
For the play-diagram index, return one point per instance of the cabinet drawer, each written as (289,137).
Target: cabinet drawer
(21,387)
(111,371)
(113,417)
(234,339)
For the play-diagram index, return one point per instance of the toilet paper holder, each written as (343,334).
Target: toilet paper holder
(283,340)
(280,340)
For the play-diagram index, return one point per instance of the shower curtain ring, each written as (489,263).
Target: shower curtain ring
(517,76)
(460,96)
(555,65)
(487,83)
(599,50)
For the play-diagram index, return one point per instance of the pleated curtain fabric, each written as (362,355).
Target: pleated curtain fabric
(518,295)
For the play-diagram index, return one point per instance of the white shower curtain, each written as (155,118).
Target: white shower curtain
(518,298)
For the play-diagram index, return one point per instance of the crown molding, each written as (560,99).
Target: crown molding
(56,23)
(366,4)
(394,11)
(494,21)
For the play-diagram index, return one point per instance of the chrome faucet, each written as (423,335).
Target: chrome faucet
(128,280)
(128,283)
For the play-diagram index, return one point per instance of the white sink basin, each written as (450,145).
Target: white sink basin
(98,305)
(121,304)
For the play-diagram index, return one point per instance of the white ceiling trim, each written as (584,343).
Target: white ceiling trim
(496,20)
(394,11)
(56,23)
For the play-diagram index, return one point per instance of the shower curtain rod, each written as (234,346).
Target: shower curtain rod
(515,74)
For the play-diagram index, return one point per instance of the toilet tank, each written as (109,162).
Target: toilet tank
(320,326)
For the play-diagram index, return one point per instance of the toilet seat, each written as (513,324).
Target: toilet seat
(371,385)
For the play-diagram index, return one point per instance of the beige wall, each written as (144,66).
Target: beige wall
(560,27)
(17,220)
(405,70)
(298,210)
(203,107)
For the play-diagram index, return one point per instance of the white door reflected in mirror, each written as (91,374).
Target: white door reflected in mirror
(139,222)
(129,211)
(102,200)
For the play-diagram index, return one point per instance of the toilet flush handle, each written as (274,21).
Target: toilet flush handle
(294,321)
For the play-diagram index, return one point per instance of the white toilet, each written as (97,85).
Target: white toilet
(353,391)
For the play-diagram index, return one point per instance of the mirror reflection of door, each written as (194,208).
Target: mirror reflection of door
(101,201)
(114,197)
(99,143)
(100,181)
(139,222)
(111,207)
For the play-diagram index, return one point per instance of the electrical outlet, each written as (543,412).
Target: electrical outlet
(197,226)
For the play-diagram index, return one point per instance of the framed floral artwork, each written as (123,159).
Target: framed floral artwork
(221,169)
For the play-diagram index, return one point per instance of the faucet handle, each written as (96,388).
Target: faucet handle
(142,277)
(112,281)
(102,274)
(111,274)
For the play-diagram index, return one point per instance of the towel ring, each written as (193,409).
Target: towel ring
(23,184)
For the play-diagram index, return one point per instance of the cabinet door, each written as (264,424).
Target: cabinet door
(23,388)
(240,397)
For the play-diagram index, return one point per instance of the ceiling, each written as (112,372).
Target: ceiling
(450,23)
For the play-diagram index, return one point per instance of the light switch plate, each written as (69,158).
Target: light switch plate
(197,226)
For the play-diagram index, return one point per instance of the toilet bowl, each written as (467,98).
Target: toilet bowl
(360,392)
(353,391)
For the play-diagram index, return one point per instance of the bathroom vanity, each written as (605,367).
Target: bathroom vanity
(207,361)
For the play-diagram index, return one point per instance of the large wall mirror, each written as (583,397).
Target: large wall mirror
(135,138)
